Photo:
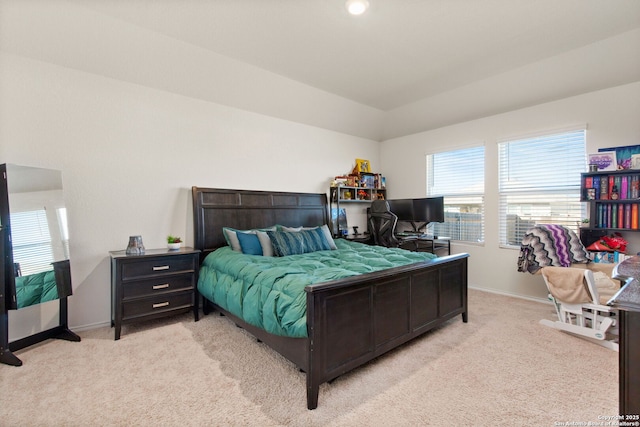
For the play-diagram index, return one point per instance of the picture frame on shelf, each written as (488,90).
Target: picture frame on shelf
(367,180)
(363,165)
(604,160)
(339,221)
(624,155)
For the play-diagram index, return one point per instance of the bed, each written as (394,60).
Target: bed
(349,321)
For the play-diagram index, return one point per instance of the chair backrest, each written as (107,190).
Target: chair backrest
(571,285)
(382,224)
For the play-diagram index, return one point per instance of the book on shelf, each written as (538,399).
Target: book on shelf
(608,257)
(608,187)
(617,215)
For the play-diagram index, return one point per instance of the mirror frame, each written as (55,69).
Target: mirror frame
(8,300)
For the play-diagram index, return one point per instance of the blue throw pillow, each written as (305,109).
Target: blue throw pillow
(325,230)
(298,242)
(314,240)
(249,243)
(286,243)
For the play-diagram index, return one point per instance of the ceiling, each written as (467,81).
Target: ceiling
(397,53)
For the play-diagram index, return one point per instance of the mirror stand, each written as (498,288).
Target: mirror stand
(7,348)
(34,252)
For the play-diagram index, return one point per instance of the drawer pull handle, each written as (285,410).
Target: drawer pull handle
(163,286)
(161,267)
(161,304)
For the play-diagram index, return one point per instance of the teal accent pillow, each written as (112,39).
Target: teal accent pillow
(249,243)
(286,243)
(232,239)
(298,242)
(314,240)
(324,228)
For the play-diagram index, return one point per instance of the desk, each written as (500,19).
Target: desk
(360,238)
(627,301)
(433,244)
(427,243)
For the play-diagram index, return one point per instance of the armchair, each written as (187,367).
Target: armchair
(578,288)
(580,302)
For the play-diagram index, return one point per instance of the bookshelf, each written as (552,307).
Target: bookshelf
(344,194)
(613,199)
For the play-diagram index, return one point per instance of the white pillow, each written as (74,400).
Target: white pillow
(265,242)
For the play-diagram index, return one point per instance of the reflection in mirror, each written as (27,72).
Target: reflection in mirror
(39,235)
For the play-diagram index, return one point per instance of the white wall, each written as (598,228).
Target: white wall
(129,155)
(612,119)
(607,63)
(67,34)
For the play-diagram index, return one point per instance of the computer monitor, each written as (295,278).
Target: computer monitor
(418,213)
(429,209)
(402,208)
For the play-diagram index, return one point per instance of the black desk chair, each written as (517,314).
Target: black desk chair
(382,225)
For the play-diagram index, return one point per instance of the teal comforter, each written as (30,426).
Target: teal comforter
(36,288)
(268,292)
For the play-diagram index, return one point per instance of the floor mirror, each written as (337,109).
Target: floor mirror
(34,253)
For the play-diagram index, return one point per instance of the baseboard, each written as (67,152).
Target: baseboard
(509,294)
(90,326)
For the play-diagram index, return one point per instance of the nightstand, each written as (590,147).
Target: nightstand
(159,283)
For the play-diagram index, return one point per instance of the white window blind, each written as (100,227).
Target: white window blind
(458,175)
(31,241)
(539,183)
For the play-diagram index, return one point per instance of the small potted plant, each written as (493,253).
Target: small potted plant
(174,242)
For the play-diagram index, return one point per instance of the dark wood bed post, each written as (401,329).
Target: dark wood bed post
(312,373)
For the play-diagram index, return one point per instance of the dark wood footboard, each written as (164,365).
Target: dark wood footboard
(353,321)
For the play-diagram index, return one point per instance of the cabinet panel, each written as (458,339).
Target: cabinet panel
(157,266)
(160,285)
(157,304)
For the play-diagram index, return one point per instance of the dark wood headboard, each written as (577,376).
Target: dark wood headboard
(214,208)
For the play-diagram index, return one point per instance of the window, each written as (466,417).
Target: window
(539,183)
(31,241)
(458,176)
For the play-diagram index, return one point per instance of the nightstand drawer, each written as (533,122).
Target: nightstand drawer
(157,266)
(157,304)
(157,286)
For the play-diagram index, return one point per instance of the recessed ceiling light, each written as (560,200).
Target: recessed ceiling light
(357,7)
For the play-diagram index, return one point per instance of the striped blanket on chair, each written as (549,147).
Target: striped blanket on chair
(548,245)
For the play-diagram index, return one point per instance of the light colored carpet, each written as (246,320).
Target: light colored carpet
(501,368)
